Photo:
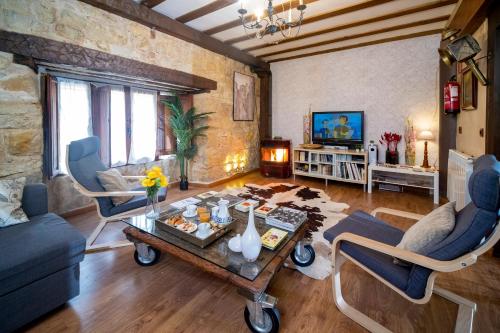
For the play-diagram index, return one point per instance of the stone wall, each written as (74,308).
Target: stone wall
(75,22)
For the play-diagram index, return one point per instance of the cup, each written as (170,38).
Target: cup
(204,229)
(191,210)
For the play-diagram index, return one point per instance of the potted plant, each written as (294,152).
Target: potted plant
(185,131)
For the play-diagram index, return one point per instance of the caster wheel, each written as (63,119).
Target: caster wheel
(271,321)
(149,260)
(306,259)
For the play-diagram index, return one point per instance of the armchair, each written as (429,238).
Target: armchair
(83,162)
(371,244)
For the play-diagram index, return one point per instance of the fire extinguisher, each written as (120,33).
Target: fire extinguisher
(451,96)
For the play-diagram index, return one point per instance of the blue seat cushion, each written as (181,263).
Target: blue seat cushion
(135,202)
(365,225)
(35,249)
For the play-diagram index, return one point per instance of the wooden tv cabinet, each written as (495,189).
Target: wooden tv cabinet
(331,164)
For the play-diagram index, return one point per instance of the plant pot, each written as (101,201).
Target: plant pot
(391,157)
(184,184)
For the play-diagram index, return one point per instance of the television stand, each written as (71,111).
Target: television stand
(341,165)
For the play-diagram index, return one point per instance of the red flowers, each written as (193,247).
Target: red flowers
(391,140)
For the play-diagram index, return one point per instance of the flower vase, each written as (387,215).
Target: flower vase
(392,157)
(152,210)
(250,241)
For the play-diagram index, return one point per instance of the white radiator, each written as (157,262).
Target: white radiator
(459,170)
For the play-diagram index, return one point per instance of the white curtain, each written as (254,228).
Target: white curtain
(143,127)
(74,113)
(118,127)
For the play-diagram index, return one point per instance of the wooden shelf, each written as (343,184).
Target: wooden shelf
(332,167)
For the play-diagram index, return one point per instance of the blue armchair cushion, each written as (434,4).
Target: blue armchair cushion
(31,251)
(484,188)
(365,225)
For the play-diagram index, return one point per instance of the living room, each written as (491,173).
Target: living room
(262,166)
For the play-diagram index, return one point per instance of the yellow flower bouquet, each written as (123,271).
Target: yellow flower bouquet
(154,180)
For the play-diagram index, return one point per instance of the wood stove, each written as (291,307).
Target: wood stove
(275,158)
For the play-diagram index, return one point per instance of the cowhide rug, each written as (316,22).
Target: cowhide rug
(322,214)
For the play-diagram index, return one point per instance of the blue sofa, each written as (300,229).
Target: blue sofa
(39,262)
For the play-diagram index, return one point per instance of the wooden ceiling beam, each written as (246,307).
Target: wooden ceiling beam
(151,3)
(430,6)
(469,15)
(277,9)
(374,42)
(205,10)
(148,17)
(364,34)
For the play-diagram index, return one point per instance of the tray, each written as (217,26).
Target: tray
(191,237)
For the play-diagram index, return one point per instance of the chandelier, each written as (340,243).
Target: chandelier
(272,23)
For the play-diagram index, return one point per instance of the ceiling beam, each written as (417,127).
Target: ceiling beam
(151,3)
(374,42)
(148,17)
(276,9)
(364,34)
(205,10)
(469,15)
(430,6)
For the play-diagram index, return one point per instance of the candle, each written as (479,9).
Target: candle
(290,14)
(242,3)
(301,2)
(258,13)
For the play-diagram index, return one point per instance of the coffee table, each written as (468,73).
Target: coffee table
(251,278)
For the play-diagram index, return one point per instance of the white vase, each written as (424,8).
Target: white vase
(250,241)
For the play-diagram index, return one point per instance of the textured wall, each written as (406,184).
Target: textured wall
(78,23)
(389,81)
(469,141)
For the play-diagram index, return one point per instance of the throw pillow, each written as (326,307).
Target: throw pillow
(11,194)
(112,180)
(430,230)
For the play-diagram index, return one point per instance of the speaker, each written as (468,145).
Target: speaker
(372,153)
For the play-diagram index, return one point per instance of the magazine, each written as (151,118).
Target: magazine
(273,237)
(265,210)
(286,218)
(245,205)
(207,195)
(233,200)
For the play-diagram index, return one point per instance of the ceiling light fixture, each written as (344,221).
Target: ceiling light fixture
(269,22)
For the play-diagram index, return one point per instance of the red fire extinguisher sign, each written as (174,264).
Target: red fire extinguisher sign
(451,97)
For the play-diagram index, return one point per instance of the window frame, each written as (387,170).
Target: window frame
(100,102)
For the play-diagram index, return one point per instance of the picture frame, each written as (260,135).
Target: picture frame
(469,90)
(244,105)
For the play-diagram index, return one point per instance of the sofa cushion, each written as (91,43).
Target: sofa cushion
(11,194)
(365,225)
(31,251)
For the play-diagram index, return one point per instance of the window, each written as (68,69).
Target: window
(143,126)
(74,116)
(130,122)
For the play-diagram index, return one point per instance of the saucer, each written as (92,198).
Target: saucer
(187,215)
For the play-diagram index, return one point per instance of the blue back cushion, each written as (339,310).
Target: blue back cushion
(472,223)
(84,162)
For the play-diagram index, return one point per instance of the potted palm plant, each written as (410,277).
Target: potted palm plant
(185,131)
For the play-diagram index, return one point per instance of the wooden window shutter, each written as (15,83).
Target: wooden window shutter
(100,120)
(50,127)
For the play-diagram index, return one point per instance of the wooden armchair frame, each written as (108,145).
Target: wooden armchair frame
(466,309)
(90,246)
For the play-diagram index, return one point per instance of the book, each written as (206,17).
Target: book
(233,200)
(273,238)
(264,210)
(185,202)
(207,195)
(286,218)
(245,205)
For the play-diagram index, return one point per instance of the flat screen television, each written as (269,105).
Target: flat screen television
(338,128)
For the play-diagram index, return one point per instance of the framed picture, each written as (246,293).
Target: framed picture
(243,97)
(469,90)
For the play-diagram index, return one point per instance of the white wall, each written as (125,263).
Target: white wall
(388,81)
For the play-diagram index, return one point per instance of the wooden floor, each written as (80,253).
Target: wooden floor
(119,296)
